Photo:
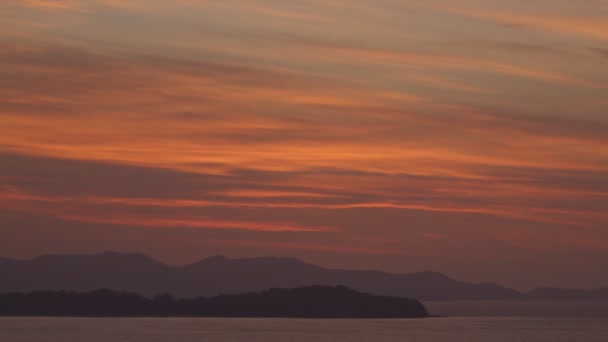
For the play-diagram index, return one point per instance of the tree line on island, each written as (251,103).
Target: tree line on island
(302,302)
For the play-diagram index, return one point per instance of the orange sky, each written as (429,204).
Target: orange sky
(469,138)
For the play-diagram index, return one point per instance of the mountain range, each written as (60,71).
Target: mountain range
(134,272)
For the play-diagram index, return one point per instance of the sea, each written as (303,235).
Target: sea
(459,321)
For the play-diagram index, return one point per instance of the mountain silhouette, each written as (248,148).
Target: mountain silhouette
(555,293)
(133,272)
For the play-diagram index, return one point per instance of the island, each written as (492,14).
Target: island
(301,302)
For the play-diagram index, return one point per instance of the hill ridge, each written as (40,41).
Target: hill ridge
(139,273)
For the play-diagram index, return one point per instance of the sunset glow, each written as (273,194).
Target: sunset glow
(466,137)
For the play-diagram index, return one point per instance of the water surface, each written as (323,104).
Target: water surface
(528,308)
(469,329)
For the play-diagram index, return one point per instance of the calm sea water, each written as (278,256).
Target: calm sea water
(539,308)
(571,327)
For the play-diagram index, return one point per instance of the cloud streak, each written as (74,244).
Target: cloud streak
(340,127)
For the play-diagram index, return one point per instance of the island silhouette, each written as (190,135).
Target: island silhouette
(302,302)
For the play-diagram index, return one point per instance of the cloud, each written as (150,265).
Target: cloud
(351,127)
(241,129)
(511,193)
(600,51)
(193,222)
(560,17)
(52,5)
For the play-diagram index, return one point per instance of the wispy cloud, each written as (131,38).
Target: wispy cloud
(365,123)
(571,25)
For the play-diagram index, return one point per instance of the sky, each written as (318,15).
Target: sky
(467,137)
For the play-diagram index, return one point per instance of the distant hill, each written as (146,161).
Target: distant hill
(303,302)
(216,275)
(555,293)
